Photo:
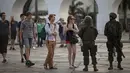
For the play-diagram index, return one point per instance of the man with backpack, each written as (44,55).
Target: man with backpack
(113,32)
(51,31)
(61,32)
(88,36)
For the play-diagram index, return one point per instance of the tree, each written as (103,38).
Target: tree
(36,10)
(26,6)
(81,12)
(41,13)
(74,6)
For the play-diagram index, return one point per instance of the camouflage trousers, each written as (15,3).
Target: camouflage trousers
(89,48)
(112,48)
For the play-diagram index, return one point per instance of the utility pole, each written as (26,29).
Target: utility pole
(95,13)
(36,10)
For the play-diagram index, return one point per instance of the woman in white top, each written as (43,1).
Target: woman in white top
(71,29)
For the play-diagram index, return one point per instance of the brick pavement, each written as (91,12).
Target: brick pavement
(38,56)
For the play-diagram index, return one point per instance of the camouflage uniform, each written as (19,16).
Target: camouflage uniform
(88,35)
(114,40)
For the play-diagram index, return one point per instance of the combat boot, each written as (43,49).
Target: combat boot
(85,69)
(111,66)
(119,66)
(95,68)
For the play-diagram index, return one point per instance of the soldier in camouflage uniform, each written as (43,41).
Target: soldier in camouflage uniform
(113,32)
(88,35)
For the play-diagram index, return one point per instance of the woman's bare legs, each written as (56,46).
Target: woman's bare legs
(73,54)
(69,54)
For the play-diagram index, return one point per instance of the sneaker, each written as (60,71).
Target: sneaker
(61,46)
(29,63)
(53,68)
(10,48)
(4,61)
(22,60)
(65,46)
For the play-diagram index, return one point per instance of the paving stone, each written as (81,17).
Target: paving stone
(38,56)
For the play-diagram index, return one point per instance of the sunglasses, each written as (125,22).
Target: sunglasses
(72,18)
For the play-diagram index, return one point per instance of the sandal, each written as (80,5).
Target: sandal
(71,67)
(74,66)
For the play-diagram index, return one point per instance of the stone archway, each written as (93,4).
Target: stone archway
(105,8)
(18,5)
(17,8)
(64,8)
(116,5)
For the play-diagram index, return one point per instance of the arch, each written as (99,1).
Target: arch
(115,5)
(17,8)
(18,5)
(64,8)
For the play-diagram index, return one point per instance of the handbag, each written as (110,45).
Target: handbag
(74,39)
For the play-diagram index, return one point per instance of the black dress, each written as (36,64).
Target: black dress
(4,31)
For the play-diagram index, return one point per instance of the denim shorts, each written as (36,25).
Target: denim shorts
(28,42)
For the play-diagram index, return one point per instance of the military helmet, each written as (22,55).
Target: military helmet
(88,20)
(113,15)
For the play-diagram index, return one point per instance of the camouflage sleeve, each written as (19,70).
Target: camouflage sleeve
(81,33)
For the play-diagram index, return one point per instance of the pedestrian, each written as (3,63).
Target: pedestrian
(21,42)
(52,30)
(88,36)
(27,32)
(61,32)
(71,31)
(35,33)
(4,33)
(113,32)
(13,30)
(40,25)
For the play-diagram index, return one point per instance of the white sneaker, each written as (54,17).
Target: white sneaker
(34,48)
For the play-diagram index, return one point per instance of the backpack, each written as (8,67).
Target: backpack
(60,29)
(112,29)
(43,32)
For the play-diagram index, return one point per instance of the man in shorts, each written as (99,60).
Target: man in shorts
(27,29)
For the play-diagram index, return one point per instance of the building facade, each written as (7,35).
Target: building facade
(60,8)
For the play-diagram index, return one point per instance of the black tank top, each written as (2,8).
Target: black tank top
(69,33)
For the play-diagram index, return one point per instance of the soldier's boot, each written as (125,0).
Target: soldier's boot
(111,66)
(95,68)
(85,69)
(119,66)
